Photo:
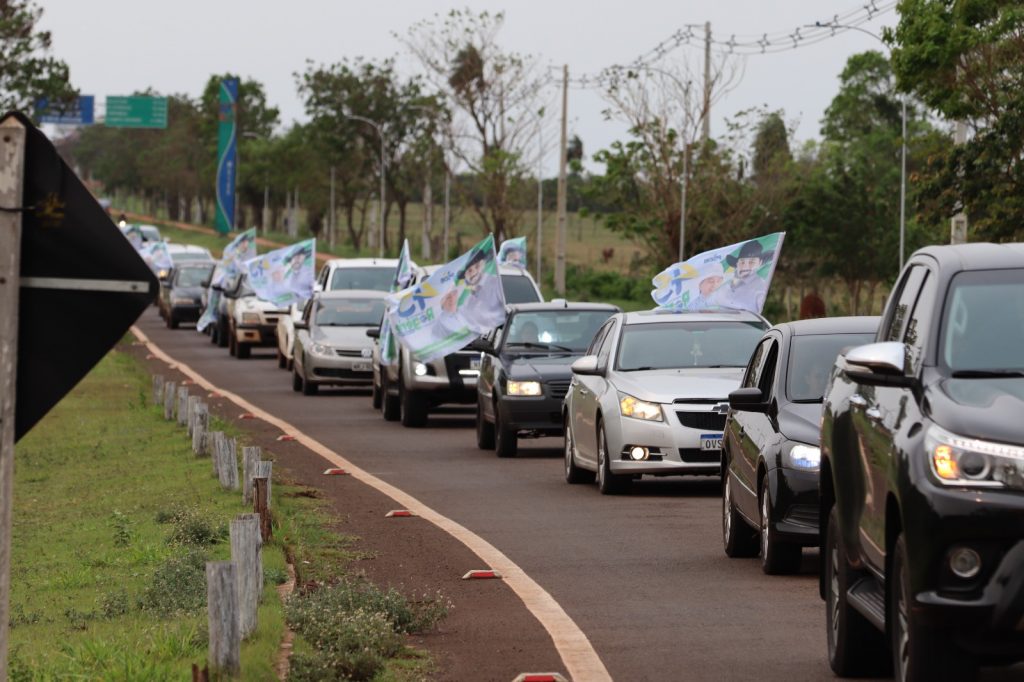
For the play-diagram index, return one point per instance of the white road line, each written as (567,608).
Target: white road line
(576,651)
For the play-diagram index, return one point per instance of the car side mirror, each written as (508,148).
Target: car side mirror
(482,345)
(373,333)
(317,287)
(587,366)
(879,364)
(205,283)
(748,400)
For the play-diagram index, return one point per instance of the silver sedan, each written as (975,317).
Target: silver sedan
(650,396)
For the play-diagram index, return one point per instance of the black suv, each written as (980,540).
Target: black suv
(922,474)
(525,372)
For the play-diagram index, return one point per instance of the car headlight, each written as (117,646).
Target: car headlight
(800,456)
(183,301)
(639,409)
(420,369)
(250,318)
(524,388)
(960,461)
(320,349)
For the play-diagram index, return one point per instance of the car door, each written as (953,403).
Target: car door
(756,429)
(302,339)
(877,413)
(583,402)
(490,370)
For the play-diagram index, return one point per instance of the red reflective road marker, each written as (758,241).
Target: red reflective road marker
(334,472)
(286,437)
(214,395)
(487,574)
(396,513)
(150,356)
(540,677)
(187,382)
(247,415)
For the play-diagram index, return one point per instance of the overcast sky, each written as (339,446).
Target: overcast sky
(115,47)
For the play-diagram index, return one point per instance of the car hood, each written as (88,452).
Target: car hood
(801,422)
(254,303)
(684,385)
(540,367)
(988,409)
(343,337)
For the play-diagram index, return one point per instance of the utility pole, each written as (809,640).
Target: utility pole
(447,209)
(428,219)
(330,222)
(706,131)
(540,193)
(958,225)
(560,237)
(684,180)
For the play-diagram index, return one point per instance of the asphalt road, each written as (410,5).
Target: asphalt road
(643,575)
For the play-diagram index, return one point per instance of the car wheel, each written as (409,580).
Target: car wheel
(282,361)
(855,647)
(172,321)
(777,557)
(413,407)
(232,346)
(390,406)
(920,653)
(377,396)
(607,482)
(506,440)
(738,538)
(573,473)
(484,428)
(296,381)
(212,331)
(309,388)
(242,350)
(223,334)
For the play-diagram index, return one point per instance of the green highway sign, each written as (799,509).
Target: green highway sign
(136,112)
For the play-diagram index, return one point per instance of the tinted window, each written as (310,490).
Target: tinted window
(149,233)
(191,277)
(519,289)
(810,362)
(555,330)
(901,311)
(349,312)
(375,278)
(983,321)
(767,379)
(185,256)
(754,367)
(920,322)
(598,338)
(670,345)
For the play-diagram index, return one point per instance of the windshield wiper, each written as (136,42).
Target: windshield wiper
(543,346)
(987,374)
(638,369)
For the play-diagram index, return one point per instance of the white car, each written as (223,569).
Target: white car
(337,274)
(651,395)
(251,320)
(410,389)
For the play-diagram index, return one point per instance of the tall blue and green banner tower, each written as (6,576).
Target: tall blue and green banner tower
(227,155)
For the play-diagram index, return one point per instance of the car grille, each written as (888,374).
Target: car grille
(803,515)
(710,421)
(345,353)
(698,456)
(337,373)
(558,389)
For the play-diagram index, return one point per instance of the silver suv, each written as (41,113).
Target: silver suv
(409,389)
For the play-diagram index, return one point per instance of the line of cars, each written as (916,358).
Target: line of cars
(889,443)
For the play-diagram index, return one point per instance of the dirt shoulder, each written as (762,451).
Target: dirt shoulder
(488,635)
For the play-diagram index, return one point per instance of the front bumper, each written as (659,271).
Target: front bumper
(451,379)
(795,497)
(338,370)
(674,449)
(186,313)
(538,416)
(257,334)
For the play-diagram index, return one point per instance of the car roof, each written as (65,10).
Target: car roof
(861,324)
(655,316)
(561,304)
(349,293)
(362,262)
(977,256)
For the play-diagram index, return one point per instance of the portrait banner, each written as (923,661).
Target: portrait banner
(241,249)
(513,252)
(283,276)
(404,273)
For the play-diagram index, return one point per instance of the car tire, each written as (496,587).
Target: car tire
(282,361)
(738,538)
(777,557)
(573,473)
(296,381)
(212,331)
(377,395)
(172,321)
(232,346)
(391,408)
(484,428)
(607,482)
(920,653)
(309,388)
(413,408)
(506,440)
(855,647)
(223,334)
(242,350)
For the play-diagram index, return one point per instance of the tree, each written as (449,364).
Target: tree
(965,59)
(27,70)
(493,95)
(771,146)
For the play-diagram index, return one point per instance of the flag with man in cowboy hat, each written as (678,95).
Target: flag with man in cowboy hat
(735,277)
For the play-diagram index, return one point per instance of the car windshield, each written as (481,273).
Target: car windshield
(557,330)
(377,278)
(150,233)
(191,277)
(983,323)
(519,289)
(810,361)
(185,256)
(678,345)
(350,312)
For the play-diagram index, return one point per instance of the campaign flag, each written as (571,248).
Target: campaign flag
(209,315)
(735,276)
(227,155)
(241,249)
(460,301)
(156,256)
(134,235)
(403,278)
(513,252)
(283,276)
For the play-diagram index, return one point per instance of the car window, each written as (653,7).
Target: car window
(191,277)
(687,343)
(598,338)
(374,278)
(571,330)
(767,379)
(811,358)
(753,374)
(519,289)
(909,287)
(983,321)
(349,312)
(916,335)
(605,349)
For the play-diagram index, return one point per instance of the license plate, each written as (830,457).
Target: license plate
(474,363)
(360,367)
(710,441)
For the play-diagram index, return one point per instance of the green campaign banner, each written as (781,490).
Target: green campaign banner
(227,155)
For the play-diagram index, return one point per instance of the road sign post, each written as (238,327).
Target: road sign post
(66,272)
(136,112)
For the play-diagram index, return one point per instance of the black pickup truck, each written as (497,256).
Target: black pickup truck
(922,474)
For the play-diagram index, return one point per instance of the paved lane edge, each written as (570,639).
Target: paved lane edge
(573,646)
